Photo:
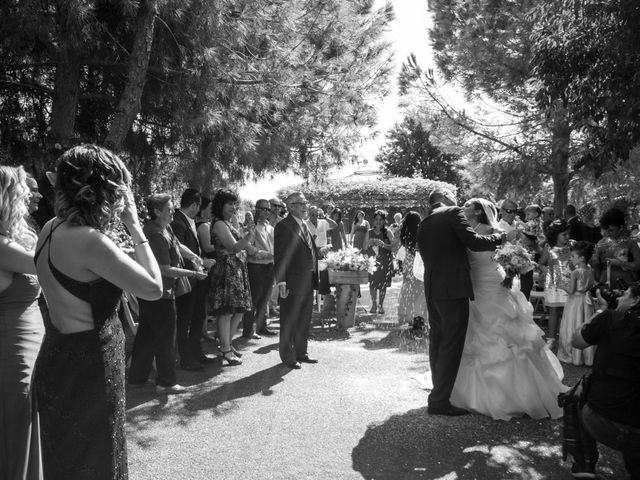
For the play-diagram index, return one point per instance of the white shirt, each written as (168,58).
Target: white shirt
(319,232)
(506,227)
(263,241)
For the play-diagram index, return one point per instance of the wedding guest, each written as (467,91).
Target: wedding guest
(530,240)
(21,329)
(188,306)
(509,222)
(412,304)
(338,236)
(579,307)
(80,372)
(230,294)
(555,257)
(379,246)
(203,227)
(261,274)
(610,415)
(578,230)
(587,213)
(319,226)
(156,335)
(548,216)
(296,272)
(36,196)
(278,210)
(616,260)
(360,231)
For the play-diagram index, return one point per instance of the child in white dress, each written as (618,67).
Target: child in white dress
(579,307)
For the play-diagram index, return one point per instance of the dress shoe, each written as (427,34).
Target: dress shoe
(448,410)
(191,366)
(173,389)
(308,359)
(274,312)
(267,333)
(294,365)
(206,359)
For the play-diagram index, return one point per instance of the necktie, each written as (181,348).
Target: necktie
(307,236)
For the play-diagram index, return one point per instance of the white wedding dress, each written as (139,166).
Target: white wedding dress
(506,369)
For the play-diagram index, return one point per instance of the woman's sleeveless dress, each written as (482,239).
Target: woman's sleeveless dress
(506,369)
(80,387)
(21,332)
(230,292)
(359,234)
(383,275)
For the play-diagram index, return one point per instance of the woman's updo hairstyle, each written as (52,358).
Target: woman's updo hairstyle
(90,185)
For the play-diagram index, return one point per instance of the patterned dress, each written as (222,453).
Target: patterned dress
(230,291)
(411,301)
(383,275)
(359,235)
(558,277)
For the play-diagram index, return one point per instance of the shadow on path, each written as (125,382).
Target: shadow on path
(416,445)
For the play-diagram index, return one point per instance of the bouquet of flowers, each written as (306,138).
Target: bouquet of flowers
(515,260)
(348,259)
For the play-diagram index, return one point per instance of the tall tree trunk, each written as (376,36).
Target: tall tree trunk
(129,105)
(560,140)
(65,95)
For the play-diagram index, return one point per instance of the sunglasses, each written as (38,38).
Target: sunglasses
(264,209)
(508,210)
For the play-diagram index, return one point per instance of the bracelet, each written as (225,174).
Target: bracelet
(141,242)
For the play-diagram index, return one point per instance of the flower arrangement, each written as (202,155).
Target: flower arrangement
(515,260)
(348,259)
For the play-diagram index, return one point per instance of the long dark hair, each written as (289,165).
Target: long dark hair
(409,230)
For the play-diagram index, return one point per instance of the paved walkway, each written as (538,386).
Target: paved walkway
(356,414)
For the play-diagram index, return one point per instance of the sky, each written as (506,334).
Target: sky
(408,34)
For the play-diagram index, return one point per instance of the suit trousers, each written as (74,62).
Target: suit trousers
(295,320)
(261,283)
(448,320)
(190,313)
(155,338)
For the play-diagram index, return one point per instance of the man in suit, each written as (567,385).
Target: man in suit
(578,230)
(296,272)
(189,323)
(443,239)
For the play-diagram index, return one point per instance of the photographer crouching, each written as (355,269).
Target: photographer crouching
(611,411)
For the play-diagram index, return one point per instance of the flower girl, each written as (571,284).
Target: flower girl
(579,307)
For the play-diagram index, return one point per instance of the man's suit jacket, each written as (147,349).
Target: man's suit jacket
(578,230)
(293,258)
(182,230)
(443,240)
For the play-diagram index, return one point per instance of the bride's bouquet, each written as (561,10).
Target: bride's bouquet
(348,259)
(515,260)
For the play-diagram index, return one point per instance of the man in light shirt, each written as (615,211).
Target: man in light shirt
(509,221)
(260,270)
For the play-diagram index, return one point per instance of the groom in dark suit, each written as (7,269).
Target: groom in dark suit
(296,272)
(443,239)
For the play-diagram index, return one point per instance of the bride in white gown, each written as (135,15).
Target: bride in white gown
(506,369)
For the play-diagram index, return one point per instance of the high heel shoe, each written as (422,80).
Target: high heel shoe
(232,360)
(236,352)
(381,309)
(374,308)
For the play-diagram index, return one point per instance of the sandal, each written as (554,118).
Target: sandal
(374,307)
(236,352)
(380,309)
(232,360)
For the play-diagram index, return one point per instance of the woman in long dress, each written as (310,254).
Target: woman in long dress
(359,230)
(21,331)
(412,304)
(506,369)
(80,372)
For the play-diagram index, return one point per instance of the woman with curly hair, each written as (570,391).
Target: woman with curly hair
(616,260)
(230,294)
(80,372)
(21,330)
(380,243)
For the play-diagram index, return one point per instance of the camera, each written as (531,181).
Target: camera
(610,294)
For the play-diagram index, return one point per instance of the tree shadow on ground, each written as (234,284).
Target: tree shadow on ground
(416,445)
(401,339)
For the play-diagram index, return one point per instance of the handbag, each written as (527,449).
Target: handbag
(183,284)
